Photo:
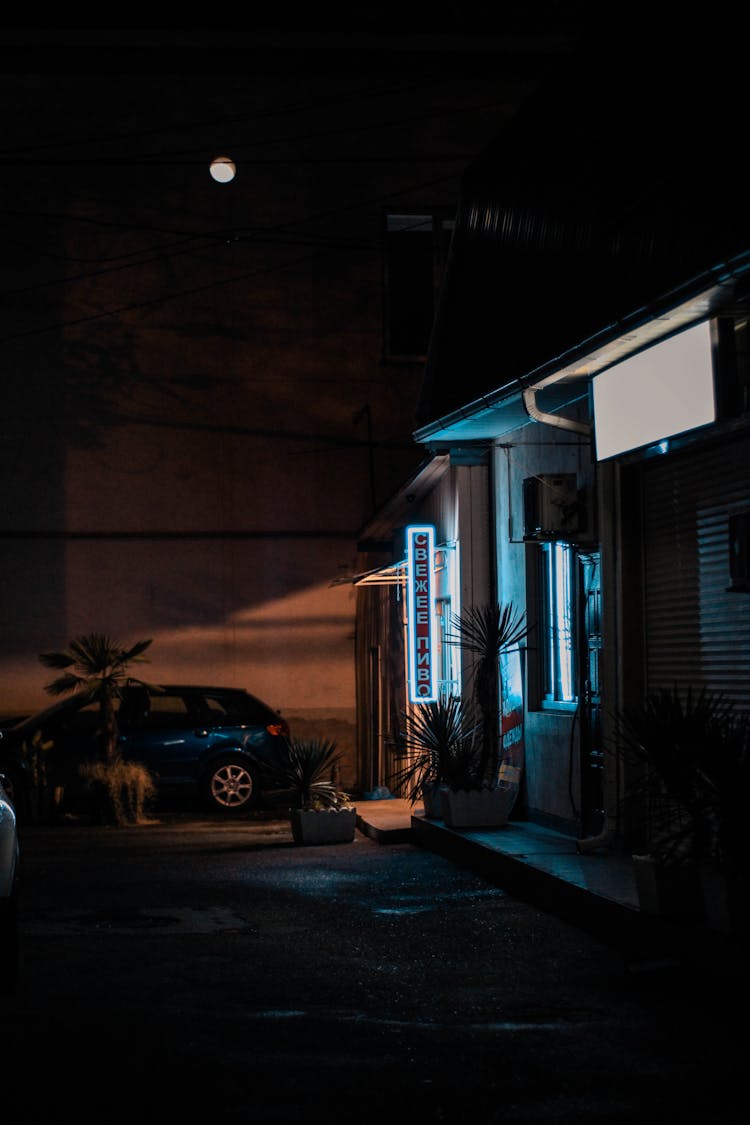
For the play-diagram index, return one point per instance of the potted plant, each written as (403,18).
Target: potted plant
(440,747)
(306,773)
(671,745)
(485,632)
(723,769)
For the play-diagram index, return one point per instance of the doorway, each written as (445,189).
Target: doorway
(589,693)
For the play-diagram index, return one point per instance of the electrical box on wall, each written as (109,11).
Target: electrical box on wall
(552,507)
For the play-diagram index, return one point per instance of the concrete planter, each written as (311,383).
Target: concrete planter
(432,800)
(324,826)
(478,808)
(725,898)
(670,890)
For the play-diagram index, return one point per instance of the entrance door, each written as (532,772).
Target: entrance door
(589,694)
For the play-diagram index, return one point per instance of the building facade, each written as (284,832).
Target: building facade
(590,354)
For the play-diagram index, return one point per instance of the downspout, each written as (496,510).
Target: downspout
(531,408)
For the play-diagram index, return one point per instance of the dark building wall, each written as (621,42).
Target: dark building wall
(198,412)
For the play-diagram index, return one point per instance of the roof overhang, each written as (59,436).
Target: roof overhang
(600,220)
(566,378)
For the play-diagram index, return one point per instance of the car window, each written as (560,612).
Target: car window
(168,711)
(159,711)
(233,708)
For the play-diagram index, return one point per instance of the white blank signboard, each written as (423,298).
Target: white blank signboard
(658,393)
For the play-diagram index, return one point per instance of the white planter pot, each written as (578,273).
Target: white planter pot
(324,826)
(432,801)
(478,808)
(725,900)
(671,890)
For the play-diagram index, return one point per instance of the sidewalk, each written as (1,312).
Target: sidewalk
(594,890)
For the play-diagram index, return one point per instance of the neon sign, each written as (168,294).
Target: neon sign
(420,601)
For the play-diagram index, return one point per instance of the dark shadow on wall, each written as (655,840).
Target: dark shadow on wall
(32,480)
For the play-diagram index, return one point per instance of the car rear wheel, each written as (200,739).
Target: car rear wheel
(230,786)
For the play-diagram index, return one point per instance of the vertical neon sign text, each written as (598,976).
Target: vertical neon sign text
(420,594)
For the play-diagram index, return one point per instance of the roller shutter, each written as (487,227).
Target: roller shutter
(697,632)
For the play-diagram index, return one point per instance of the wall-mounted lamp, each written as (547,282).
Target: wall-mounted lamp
(223,169)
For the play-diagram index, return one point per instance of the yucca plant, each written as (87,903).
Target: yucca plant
(724,778)
(306,770)
(486,631)
(688,755)
(442,746)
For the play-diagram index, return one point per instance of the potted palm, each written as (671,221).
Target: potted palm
(485,633)
(723,773)
(440,751)
(671,745)
(305,773)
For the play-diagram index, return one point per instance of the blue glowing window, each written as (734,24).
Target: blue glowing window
(558,613)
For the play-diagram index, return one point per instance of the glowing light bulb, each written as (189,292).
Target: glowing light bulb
(223,169)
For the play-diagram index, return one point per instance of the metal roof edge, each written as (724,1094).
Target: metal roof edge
(419,485)
(702,294)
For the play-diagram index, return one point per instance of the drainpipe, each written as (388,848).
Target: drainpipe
(529,402)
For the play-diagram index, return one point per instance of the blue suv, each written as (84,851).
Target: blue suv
(201,737)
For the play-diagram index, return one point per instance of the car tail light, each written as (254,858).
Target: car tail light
(278,729)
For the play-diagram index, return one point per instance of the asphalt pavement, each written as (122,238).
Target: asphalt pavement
(197,968)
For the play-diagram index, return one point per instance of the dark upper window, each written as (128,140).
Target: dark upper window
(416,248)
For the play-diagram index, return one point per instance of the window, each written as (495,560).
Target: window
(416,247)
(449,674)
(557,605)
(167,711)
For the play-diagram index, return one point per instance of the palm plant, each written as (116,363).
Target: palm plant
(441,746)
(689,758)
(724,774)
(96,668)
(307,770)
(486,631)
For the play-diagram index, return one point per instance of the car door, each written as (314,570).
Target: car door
(163,731)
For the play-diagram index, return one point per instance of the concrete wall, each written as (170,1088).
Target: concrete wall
(198,415)
(537,449)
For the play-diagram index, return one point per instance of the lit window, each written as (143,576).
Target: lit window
(449,675)
(558,609)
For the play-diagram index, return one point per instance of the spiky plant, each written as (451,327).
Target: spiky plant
(97,669)
(441,746)
(306,769)
(485,631)
(689,753)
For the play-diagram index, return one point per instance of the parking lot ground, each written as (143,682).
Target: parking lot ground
(193,967)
